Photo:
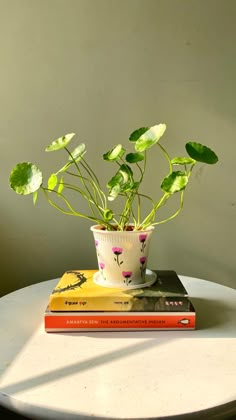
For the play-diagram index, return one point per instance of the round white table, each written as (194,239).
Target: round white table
(119,375)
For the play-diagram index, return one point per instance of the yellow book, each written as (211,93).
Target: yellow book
(76,291)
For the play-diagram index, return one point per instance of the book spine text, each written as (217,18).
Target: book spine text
(118,322)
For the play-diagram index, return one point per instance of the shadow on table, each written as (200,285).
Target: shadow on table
(80,366)
(8,414)
(222,412)
(211,314)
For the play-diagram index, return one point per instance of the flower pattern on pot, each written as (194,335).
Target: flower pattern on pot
(127,275)
(142,239)
(102,266)
(96,245)
(143,265)
(117,251)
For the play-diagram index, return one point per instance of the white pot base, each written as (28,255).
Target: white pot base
(150,278)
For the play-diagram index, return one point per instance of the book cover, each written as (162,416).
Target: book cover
(118,321)
(76,291)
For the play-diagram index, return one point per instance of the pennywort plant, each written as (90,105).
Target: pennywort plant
(78,178)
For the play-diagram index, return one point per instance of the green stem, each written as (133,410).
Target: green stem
(139,209)
(96,188)
(72,212)
(176,213)
(83,194)
(89,170)
(81,179)
(167,157)
(148,220)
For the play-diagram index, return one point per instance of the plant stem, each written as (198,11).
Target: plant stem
(167,157)
(72,211)
(82,179)
(83,194)
(156,206)
(176,213)
(95,181)
(96,189)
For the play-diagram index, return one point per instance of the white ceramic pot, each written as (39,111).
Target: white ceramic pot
(122,258)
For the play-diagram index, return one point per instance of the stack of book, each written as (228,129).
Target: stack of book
(77,303)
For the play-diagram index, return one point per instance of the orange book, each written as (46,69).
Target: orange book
(118,321)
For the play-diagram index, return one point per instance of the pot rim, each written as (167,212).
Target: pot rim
(97,228)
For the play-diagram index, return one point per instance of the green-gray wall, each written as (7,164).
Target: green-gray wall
(102,68)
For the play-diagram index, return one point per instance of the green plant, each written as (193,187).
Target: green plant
(78,177)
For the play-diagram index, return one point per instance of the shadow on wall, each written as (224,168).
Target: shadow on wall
(195,262)
(18,262)
(30,257)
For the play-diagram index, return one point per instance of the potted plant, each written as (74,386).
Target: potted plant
(122,237)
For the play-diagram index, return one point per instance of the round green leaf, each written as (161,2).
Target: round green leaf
(114,192)
(150,137)
(60,185)
(138,133)
(25,178)
(60,143)
(134,157)
(122,176)
(78,152)
(114,154)
(174,182)
(126,172)
(201,153)
(182,161)
(117,179)
(108,215)
(52,182)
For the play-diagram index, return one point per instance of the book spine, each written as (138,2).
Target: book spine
(98,322)
(75,303)
(120,304)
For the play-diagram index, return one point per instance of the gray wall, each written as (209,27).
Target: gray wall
(102,68)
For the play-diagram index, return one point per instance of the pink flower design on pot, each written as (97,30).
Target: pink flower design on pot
(101,267)
(127,275)
(117,251)
(96,245)
(143,261)
(142,238)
